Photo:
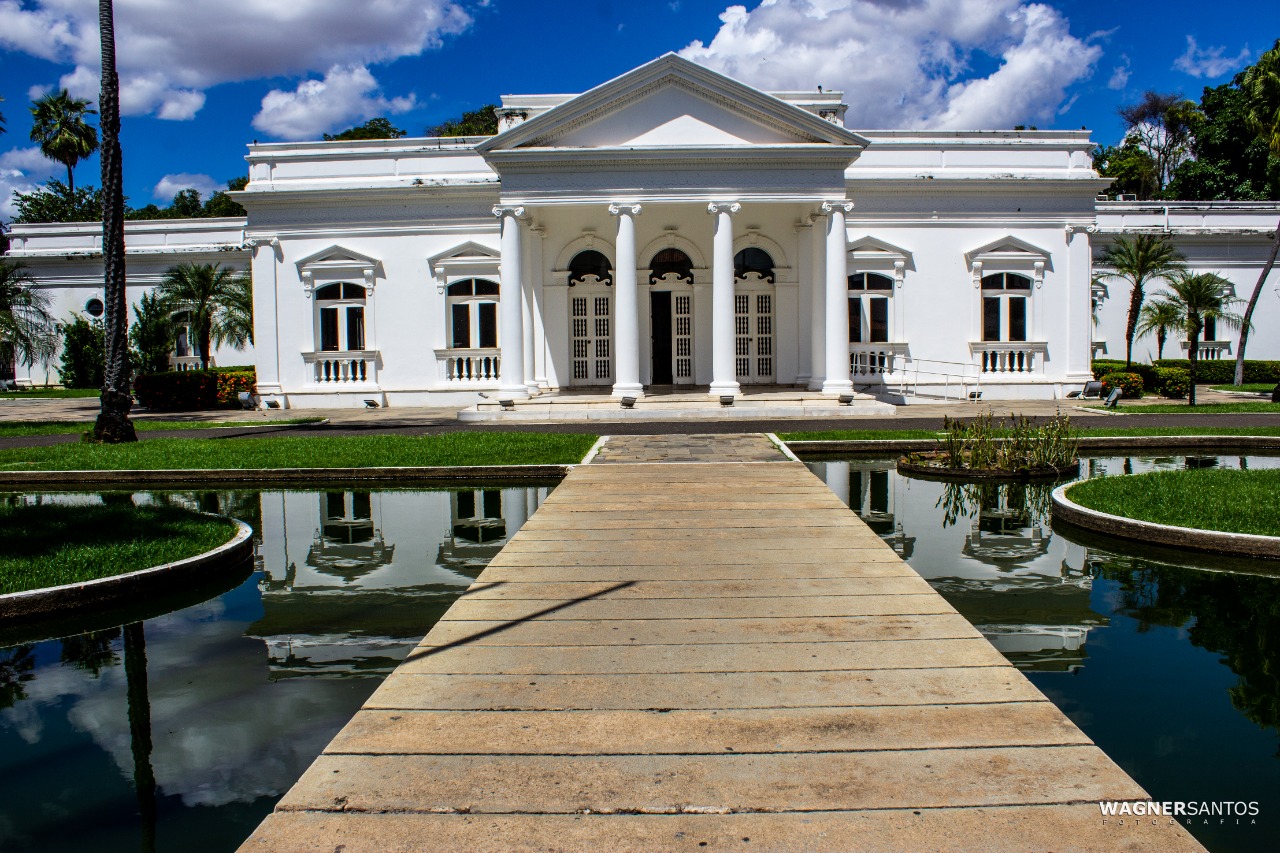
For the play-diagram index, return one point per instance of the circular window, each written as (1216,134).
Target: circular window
(94,308)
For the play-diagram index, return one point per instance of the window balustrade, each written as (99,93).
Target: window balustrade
(476,367)
(343,367)
(1009,357)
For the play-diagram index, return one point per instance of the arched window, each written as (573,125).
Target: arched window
(589,267)
(473,313)
(340,317)
(1004,306)
(753,262)
(673,263)
(869,294)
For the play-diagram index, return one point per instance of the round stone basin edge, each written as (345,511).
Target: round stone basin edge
(56,601)
(1208,541)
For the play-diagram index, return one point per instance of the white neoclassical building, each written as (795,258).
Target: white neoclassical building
(671,229)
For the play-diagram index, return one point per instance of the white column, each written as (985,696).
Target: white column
(511,299)
(837,379)
(724,376)
(626,315)
(526,282)
(817,310)
(266,324)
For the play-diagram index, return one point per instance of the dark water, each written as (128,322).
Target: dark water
(181,731)
(1169,661)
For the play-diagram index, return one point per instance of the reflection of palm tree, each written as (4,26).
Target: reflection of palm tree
(144,779)
(17,667)
(91,652)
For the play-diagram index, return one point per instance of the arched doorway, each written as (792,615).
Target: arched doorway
(753,304)
(671,317)
(591,319)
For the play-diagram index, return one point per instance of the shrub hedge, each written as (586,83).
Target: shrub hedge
(193,390)
(1219,372)
(1174,382)
(1129,383)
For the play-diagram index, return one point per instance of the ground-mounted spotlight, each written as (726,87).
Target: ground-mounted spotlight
(507,405)
(272,404)
(371,404)
(846,399)
(627,402)
(726,399)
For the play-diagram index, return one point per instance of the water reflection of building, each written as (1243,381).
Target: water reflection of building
(352,579)
(1005,530)
(868,488)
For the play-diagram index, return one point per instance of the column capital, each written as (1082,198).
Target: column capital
(724,207)
(832,206)
(628,209)
(514,211)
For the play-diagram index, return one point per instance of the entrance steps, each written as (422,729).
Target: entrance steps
(695,404)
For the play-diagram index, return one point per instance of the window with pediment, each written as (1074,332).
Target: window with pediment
(869,295)
(1006,301)
(473,313)
(340,315)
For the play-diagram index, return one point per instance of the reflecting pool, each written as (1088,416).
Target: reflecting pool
(1169,661)
(181,731)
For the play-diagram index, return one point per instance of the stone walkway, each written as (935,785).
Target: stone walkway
(705,657)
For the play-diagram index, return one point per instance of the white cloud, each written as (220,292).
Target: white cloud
(907,63)
(1120,74)
(39,90)
(346,94)
(171,185)
(23,170)
(1209,62)
(170,51)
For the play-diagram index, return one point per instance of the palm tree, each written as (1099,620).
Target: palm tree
(1139,260)
(1160,317)
(58,125)
(27,330)
(1261,85)
(113,424)
(1199,297)
(213,299)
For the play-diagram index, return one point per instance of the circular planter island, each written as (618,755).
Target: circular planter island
(1205,504)
(929,466)
(101,588)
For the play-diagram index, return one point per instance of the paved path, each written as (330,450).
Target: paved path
(681,656)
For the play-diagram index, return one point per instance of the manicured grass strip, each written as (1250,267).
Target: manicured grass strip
(50,393)
(859,434)
(1229,501)
(1248,387)
(1198,409)
(57,544)
(873,435)
(9,429)
(455,449)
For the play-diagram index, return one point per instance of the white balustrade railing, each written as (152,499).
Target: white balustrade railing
(343,367)
(874,359)
(183,363)
(1009,357)
(1209,350)
(469,366)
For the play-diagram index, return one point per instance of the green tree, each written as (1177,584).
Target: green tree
(57,202)
(58,126)
(113,425)
(1159,317)
(1160,124)
(211,297)
(234,323)
(1229,161)
(481,122)
(83,347)
(1139,260)
(186,204)
(221,204)
(374,128)
(27,330)
(1198,297)
(1261,84)
(1130,167)
(151,334)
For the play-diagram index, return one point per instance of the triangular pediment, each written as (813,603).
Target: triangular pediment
(667,103)
(873,248)
(337,256)
(469,258)
(1008,248)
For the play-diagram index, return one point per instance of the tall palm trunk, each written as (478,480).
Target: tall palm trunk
(1135,308)
(71,179)
(1253,301)
(139,701)
(113,425)
(1161,337)
(1193,356)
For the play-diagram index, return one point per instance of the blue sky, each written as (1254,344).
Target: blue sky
(204,77)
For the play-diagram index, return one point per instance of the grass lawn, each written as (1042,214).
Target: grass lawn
(1198,409)
(57,544)
(1248,387)
(873,435)
(456,448)
(9,429)
(50,393)
(1231,501)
